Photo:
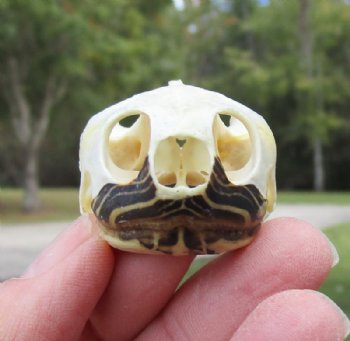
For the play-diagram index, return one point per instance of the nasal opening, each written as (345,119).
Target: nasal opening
(182,161)
(180,142)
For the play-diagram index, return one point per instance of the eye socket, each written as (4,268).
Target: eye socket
(128,141)
(233,142)
(129,121)
(225,119)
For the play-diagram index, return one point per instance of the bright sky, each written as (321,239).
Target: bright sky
(179,4)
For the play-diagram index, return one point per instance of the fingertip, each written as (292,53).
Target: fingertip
(63,287)
(307,239)
(295,315)
(286,254)
(337,310)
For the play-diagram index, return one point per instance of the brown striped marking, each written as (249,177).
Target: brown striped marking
(224,216)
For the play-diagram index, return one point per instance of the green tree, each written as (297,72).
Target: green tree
(288,60)
(49,49)
(303,48)
(37,61)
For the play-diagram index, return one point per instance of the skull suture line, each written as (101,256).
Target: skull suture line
(178,170)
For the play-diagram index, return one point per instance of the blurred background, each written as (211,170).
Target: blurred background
(63,60)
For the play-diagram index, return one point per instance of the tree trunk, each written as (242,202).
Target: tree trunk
(29,129)
(31,201)
(319,183)
(311,102)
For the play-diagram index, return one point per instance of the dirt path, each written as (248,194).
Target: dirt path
(20,244)
(320,216)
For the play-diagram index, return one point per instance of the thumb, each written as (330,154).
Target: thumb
(56,295)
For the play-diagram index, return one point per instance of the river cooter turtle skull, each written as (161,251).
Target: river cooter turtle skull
(178,170)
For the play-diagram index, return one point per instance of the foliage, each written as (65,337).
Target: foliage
(37,61)
(102,53)
(255,54)
(89,55)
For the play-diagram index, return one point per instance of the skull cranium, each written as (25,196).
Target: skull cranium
(160,169)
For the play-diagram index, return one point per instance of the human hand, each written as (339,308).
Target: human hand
(81,289)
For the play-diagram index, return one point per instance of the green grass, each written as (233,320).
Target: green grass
(196,265)
(337,285)
(336,198)
(57,205)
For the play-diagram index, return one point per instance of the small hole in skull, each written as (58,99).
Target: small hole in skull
(194,179)
(226,119)
(181,142)
(129,121)
(167,179)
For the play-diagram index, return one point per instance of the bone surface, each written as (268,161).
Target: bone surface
(178,170)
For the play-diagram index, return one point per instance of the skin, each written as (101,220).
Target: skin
(81,289)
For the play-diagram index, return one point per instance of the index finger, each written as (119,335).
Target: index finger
(287,254)
(140,287)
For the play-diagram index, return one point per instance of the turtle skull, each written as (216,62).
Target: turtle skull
(178,170)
